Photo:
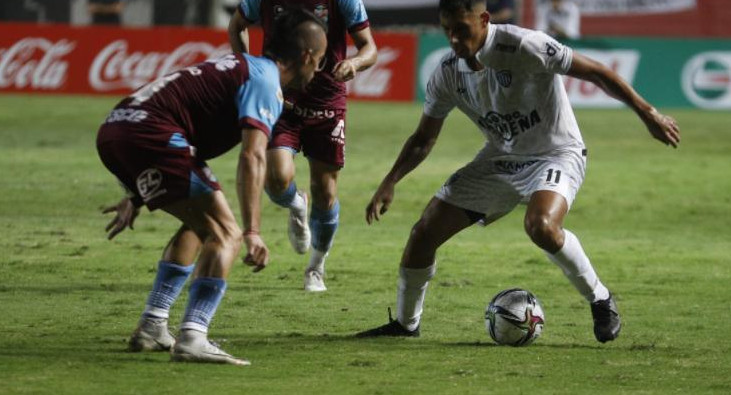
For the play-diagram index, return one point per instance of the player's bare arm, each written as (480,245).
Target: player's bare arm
(415,150)
(238,33)
(363,59)
(662,127)
(250,183)
(126,212)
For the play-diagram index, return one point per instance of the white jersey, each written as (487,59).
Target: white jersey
(518,100)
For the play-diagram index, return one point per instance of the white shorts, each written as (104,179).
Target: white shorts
(494,187)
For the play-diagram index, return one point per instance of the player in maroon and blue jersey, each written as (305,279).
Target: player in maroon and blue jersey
(313,121)
(156,142)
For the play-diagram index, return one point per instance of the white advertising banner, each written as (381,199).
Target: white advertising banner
(586,94)
(614,7)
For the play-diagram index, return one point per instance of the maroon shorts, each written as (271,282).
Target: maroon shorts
(156,167)
(319,134)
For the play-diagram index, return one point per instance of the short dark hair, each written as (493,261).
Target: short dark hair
(452,6)
(284,43)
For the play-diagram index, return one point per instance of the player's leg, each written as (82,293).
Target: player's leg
(543,222)
(324,220)
(210,217)
(438,223)
(282,190)
(173,270)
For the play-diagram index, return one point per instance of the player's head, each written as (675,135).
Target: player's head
(298,41)
(465,23)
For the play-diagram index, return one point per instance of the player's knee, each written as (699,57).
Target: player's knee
(544,232)
(227,240)
(324,199)
(277,183)
(324,193)
(420,235)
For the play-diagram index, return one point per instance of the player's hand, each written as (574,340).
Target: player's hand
(125,218)
(257,253)
(663,128)
(380,202)
(345,70)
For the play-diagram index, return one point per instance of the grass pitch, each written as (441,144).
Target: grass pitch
(654,221)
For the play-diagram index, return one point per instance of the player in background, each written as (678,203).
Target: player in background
(313,122)
(506,80)
(156,142)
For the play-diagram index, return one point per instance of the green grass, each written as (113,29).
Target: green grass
(655,222)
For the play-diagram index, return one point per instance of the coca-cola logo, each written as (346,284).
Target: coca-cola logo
(116,67)
(35,62)
(376,81)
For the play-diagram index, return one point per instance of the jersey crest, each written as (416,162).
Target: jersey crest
(321,12)
(504,78)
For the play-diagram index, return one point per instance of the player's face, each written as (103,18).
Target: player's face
(465,30)
(312,62)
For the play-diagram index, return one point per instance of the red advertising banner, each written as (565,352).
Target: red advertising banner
(392,77)
(47,58)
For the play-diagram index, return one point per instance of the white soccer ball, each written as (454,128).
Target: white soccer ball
(514,317)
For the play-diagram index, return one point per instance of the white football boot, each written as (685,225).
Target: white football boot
(151,335)
(314,282)
(298,229)
(194,346)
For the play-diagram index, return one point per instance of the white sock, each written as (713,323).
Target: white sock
(298,205)
(317,261)
(411,291)
(577,268)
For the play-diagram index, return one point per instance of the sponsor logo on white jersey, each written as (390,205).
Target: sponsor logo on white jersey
(507,126)
(36,63)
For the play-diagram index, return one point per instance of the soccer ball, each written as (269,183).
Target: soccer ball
(514,317)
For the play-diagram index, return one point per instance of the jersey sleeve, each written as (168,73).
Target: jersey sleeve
(260,101)
(354,14)
(439,100)
(251,10)
(542,53)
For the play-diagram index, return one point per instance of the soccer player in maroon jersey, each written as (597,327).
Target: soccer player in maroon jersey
(313,122)
(156,142)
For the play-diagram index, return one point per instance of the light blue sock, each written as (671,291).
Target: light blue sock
(169,282)
(286,198)
(205,295)
(323,224)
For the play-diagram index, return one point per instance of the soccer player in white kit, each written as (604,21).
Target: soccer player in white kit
(507,80)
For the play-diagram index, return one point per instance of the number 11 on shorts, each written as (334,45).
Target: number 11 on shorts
(553,175)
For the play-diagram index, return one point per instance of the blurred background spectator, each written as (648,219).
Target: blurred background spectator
(106,12)
(559,18)
(502,11)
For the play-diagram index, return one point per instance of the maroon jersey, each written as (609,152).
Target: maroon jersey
(341,16)
(208,104)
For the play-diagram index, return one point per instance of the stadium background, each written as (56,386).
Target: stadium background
(675,52)
(653,220)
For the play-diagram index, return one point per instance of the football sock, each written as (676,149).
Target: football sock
(169,282)
(323,224)
(577,268)
(290,199)
(411,291)
(203,299)
(317,261)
